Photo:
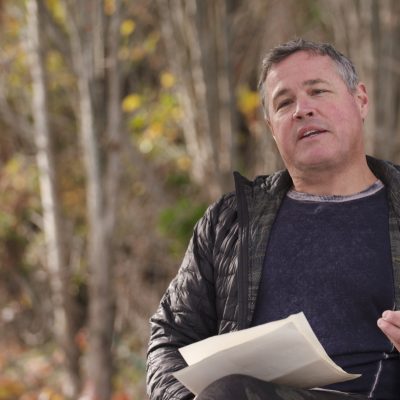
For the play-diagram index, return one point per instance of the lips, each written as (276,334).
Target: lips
(308,131)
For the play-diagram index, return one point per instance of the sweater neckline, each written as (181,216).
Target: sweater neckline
(369,191)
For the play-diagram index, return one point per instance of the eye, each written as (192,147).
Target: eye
(318,91)
(283,104)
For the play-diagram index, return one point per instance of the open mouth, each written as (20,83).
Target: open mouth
(313,132)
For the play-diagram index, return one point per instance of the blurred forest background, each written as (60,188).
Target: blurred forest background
(120,121)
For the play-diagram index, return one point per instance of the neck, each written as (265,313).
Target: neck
(333,182)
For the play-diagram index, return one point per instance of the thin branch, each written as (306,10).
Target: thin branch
(56,35)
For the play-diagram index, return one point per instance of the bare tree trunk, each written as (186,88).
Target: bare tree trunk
(52,222)
(385,40)
(100,124)
(197,38)
(369,31)
(257,29)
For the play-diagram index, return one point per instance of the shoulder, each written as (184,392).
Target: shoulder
(225,209)
(386,171)
(218,215)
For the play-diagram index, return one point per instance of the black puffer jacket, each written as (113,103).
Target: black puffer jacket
(216,287)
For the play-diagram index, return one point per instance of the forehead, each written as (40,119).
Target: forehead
(301,67)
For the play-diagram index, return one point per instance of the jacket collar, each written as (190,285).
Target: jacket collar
(389,174)
(280,182)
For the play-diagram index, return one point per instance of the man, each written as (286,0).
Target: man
(320,237)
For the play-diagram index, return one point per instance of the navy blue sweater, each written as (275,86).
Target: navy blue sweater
(331,259)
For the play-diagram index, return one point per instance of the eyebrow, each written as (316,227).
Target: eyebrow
(309,82)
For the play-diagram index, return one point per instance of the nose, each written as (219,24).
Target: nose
(303,109)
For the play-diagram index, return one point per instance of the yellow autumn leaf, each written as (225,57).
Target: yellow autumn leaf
(127,27)
(154,131)
(167,80)
(248,100)
(184,163)
(57,9)
(14,166)
(150,44)
(131,102)
(109,7)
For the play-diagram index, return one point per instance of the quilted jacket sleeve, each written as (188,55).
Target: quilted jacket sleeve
(185,315)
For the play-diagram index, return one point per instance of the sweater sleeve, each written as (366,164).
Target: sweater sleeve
(186,314)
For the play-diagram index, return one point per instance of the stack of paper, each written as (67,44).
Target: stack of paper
(285,351)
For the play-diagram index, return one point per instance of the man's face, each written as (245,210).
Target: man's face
(316,121)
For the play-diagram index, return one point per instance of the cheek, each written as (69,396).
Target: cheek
(348,119)
(279,128)
(283,141)
(346,113)
(282,132)
(337,114)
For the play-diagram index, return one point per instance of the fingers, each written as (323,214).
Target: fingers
(390,326)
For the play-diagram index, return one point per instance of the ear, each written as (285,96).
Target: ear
(362,99)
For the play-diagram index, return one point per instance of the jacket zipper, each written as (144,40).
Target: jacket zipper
(243,262)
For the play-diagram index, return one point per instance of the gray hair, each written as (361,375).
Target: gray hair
(344,66)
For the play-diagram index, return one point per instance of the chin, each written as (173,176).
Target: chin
(320,164)
(318,157)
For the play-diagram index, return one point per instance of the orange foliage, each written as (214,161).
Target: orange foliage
(121,396)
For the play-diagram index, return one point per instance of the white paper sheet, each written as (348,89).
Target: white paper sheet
(285,351)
